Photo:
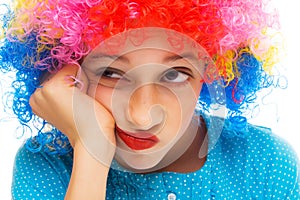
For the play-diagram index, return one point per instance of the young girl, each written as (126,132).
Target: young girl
(144,99)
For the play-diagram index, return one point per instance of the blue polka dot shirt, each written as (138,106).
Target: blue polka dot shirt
(253,164)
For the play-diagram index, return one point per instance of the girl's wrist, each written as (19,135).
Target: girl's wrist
(83,158)
(89,176)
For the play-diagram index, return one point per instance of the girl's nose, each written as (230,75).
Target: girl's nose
(145,109)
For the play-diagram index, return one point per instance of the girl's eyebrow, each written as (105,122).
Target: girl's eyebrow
(187,56)
(172,58)
(112,57)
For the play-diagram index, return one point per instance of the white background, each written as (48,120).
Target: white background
(283,118)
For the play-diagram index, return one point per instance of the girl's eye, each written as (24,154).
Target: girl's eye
(111,74)
(174,76)
(111,77)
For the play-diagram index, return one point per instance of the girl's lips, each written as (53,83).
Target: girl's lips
(137,141)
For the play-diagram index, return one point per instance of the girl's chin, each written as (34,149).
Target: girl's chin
(139,162)
(147,160)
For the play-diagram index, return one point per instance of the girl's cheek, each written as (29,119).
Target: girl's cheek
(103,96)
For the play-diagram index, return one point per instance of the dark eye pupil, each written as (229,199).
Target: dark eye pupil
(171,75)
(107,73)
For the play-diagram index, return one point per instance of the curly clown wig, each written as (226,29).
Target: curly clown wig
(42,36)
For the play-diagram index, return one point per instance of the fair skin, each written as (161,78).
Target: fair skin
(147,105)
(149,79)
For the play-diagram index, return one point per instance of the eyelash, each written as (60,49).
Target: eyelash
(109,70)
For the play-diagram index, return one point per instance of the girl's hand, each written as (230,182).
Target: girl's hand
(88,126)
(76,114)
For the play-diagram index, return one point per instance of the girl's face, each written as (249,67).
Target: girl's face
(150,80)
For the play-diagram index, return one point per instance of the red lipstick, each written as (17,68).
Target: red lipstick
(137,141)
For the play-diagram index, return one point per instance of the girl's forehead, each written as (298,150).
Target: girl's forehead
(149,38)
